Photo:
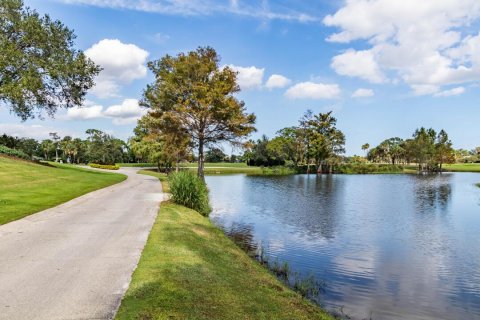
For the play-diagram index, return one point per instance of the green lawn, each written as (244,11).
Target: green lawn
(190,270)
(26,187)
(462,167)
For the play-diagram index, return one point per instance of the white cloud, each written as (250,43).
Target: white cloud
(363,93)
(277,81)
(129,111)
(360,64)
(122,63)
(424,89)
(452,92)
(85,113)
(311,90)
(248,77)
(34,131)
(258,10)
(425,43)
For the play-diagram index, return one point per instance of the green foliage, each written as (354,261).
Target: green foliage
(367,168)
(103,148)
(14,153)
(190,191)
(193,95)
(215,155)
(39,69)
(104,166)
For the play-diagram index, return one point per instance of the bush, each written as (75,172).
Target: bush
(366,168)
(190,191)
(104,166)
(13,153)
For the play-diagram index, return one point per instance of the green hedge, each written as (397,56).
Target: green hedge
(365,168)
(104,166)
(13,153)
(189,190)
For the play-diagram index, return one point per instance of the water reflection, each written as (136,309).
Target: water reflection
(390,246)
(433,192)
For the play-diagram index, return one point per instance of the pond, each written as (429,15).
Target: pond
(386,246)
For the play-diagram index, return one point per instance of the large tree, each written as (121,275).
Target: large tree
(192,92)
(40,71)
(326,141)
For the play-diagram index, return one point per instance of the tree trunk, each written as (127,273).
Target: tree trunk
(200,161)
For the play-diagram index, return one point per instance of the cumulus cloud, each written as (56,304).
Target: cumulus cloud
(85,113)
(452,92)
(122,63)
(277,81)
(363,93)
(129,111)
(311,90)
(35,131)
(424,43)
(248,77)
(360,64)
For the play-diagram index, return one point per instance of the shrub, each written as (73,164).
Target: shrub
(104,166)
(13,153)
(189,190)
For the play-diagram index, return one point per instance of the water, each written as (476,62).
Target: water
(386,246)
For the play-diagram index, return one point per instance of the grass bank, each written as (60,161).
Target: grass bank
(26,187)
(462,167)
(190,270)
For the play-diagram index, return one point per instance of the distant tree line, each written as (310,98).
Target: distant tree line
(315,142)
(99,147)
(427,148)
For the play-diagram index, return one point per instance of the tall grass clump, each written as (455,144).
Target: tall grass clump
(190,191)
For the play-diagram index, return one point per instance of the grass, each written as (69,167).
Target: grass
(462,167)
(26,187)
(190,270)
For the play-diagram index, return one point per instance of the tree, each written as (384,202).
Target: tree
(154,143)
(39,68)
(29,146)
(444,152)
(215,155)
(47,146)
(193,94)
(327,142)
(365,147)
(102,148)
(56,139)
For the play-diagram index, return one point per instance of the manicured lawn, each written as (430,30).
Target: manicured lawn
(190,270)
(462,167)
(26,187)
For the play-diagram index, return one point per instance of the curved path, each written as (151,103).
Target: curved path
(75,261)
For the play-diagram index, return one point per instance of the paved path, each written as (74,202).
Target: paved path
(75,261)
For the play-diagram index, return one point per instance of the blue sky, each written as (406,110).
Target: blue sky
(385,67)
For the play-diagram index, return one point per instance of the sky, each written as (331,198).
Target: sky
(384,67)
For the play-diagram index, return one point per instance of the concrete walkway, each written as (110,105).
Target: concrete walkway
(75,261)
